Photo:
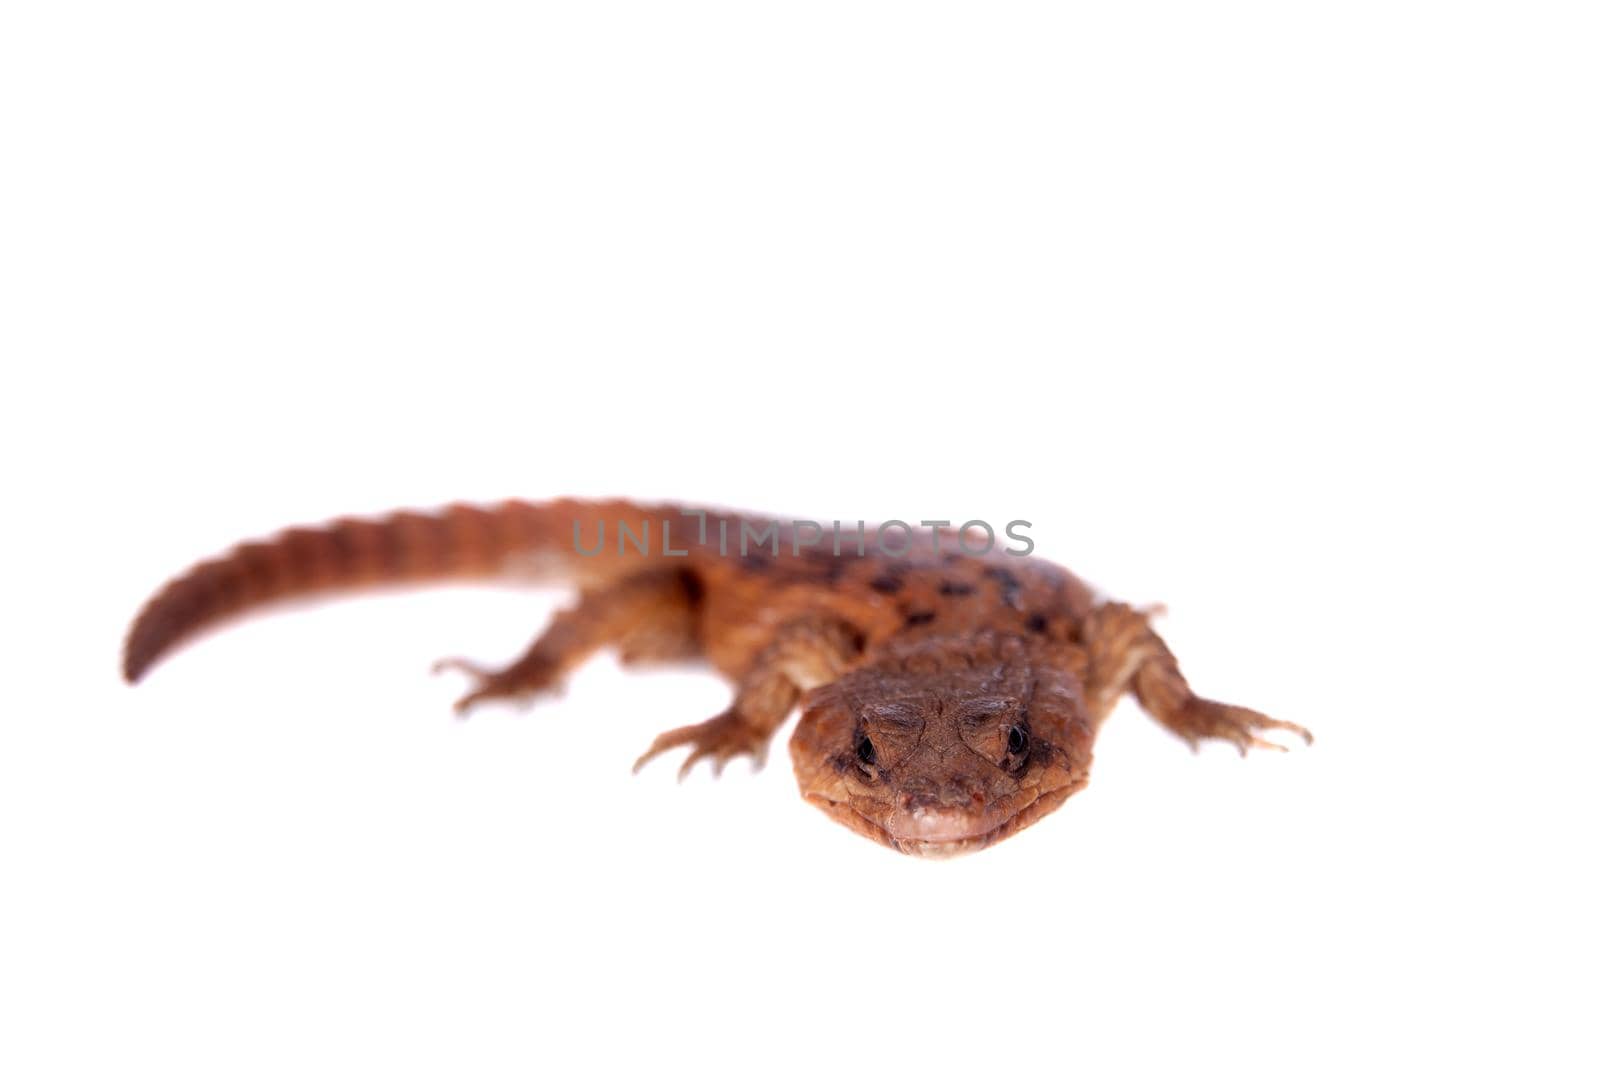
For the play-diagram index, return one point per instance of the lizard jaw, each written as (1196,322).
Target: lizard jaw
(946,841)
(941,844)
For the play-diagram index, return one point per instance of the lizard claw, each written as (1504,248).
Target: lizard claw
(522,679)
(466,666)
(720,739)
(1200,719)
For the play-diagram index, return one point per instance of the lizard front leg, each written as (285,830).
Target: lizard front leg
(1126,655)
(804,653)
(648,616)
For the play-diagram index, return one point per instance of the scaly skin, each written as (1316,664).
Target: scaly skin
(948,699)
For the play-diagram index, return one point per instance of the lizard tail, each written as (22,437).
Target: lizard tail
(459,542)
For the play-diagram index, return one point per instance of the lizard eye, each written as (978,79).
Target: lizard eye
(1017,740)
(866,754)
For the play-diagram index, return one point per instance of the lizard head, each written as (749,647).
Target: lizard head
(945,745)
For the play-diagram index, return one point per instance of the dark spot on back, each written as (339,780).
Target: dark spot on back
(1038,623)
(755,562)
(886,583)
(829,567)
(1001,575)
(693,590)
(920,618)
(955,588)
(1010,588)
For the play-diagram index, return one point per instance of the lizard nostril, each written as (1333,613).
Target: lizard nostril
(918,793)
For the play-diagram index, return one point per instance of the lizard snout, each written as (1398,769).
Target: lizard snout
(923,793)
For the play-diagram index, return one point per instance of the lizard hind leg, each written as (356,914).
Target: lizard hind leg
(1126,655)
(650,616)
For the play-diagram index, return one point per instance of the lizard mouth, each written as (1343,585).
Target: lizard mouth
(940,849)
(941,834)
(940,841)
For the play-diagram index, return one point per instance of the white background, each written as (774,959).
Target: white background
(1274,313)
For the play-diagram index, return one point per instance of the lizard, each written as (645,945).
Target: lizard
(948,697)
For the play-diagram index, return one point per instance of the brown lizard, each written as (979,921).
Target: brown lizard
(949,696)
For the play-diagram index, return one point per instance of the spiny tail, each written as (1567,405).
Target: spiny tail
(459,542)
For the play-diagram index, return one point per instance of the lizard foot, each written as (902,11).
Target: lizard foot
(526,677)
(1200,719)
(719,739)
